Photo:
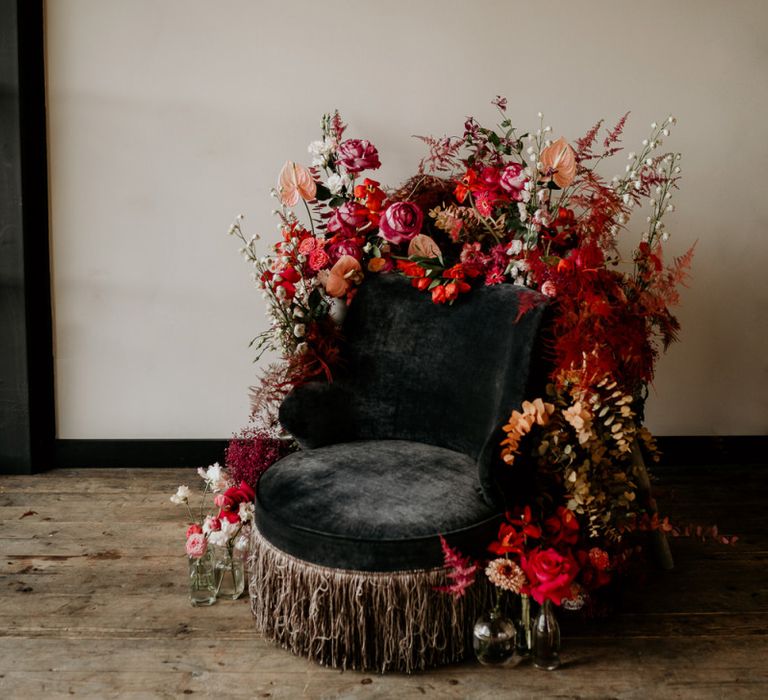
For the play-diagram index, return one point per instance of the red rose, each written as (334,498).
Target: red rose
(248,494)
(400,222)
(356,155)
(229,516)
(550,574)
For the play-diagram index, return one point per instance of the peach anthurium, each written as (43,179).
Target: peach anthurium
(342,275)
(295,181)
(558,161)
(423,246)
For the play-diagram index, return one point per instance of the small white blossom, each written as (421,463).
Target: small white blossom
(246,512)
(299,330)
(218,538)
(335,184)
(515,248)
(181,496)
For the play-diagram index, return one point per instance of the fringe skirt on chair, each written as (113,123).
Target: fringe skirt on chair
(364,620)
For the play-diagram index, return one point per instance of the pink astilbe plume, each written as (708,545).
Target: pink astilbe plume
(462,571)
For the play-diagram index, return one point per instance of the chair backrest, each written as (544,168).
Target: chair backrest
(443,375)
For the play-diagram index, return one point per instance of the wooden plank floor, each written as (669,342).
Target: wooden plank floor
(93,604)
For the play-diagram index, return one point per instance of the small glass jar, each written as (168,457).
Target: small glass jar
(546,638)
(230,572)
(493,639)
(202,580)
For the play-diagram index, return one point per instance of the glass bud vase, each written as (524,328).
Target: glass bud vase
(524,628)
(546,638)
(230,572)
(202,580)
(493,639)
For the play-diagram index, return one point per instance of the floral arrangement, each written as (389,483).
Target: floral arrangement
(492,206)
(227,531)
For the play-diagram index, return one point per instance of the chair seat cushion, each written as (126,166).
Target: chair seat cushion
(373,505)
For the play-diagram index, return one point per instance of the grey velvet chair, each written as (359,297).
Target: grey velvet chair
(400,448)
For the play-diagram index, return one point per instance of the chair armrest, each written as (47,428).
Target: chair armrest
(317,414)
(504,486)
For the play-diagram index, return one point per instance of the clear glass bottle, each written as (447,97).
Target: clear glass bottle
(230,572)
(546,638)
(202,580)
(493,639)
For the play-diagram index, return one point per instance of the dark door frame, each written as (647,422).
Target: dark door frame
(27,409)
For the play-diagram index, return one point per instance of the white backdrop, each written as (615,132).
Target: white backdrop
(168,117)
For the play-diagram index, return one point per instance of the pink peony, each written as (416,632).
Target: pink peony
(348,218)
(357,155)
(513,180)
(400,222)
(196,545)
(550,574)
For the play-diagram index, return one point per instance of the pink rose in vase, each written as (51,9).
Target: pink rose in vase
(400,222)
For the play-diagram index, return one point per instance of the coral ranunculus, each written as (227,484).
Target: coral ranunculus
(400,222)
(550,574)
(295,181)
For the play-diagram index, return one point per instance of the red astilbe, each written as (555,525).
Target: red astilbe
(462,570)
(443,154)
(251,452)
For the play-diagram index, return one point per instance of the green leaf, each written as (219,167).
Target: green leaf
(433,284)
(323,193)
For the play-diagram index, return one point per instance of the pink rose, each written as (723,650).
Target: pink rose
(338,247)
(550,574)
(400,222)
(356,155)
(348,218)
(196,545)
(513,180)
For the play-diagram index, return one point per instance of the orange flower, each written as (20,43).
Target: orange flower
(343,275)
(558,161)
(376,264)
(295,181)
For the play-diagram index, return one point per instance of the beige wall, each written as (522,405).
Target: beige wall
(168,117)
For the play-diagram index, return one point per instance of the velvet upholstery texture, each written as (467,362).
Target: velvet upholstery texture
(402,445)
(373,505)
